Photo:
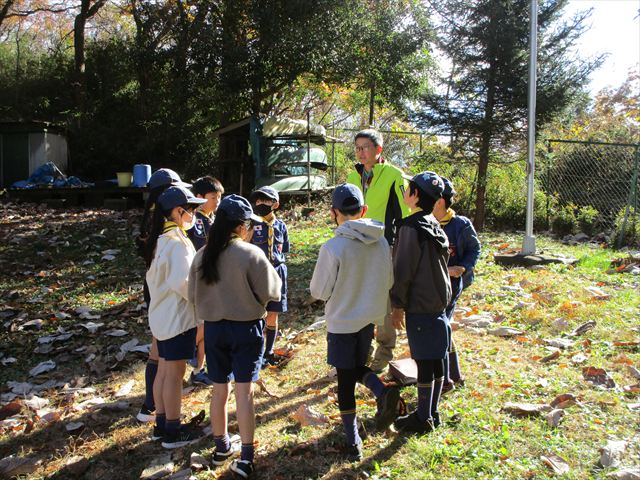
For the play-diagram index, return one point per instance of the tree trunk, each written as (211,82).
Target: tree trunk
(371,103)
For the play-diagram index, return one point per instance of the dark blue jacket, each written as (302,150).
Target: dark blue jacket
(200,231)
(280,240)
(464,246)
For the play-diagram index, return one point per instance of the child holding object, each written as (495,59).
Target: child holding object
(421,292)
(171,314)
(231,282)
(353,275)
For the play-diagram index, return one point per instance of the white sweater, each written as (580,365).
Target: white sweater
(170,312)
(353,275)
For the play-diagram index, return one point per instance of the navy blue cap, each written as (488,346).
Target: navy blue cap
(268,192)
(164,177)
(347,197)
(176,196)
(238,208)
(449,191)
(430,183)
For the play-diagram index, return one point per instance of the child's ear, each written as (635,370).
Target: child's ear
(364,210)
(276,205)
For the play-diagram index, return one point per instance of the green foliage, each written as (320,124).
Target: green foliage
(587,219)
(563,221)
(631,234)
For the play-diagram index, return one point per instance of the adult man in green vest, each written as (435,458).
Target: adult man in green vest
(383,187)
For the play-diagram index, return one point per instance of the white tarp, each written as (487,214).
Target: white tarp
(281,126)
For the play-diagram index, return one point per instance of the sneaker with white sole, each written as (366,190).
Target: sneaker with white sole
(181,438)
(242,468)
(235,446)
(201,378)
(387,408)
(145,415)
(158,433)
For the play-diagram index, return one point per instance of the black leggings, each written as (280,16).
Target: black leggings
(429,370)
(347,379)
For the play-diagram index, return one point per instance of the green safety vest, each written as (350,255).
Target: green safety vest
(384,197)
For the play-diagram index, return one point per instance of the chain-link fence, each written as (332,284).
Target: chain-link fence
(596,181)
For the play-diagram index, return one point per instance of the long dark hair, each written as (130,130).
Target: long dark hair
(219,237)
(155,230)
(147,220)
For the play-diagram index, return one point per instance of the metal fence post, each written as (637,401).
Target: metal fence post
(632,195)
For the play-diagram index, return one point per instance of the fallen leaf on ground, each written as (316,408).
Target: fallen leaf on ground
(598,376)
(626,473)
(505,332)
(36,403)
(13,466)
(10,409)
(578,358)
(552,356)
(596,293)
(125,389)
(306,415)
(116,333)
(554,417)
(563,343)
(564,400)
(634,372)
(558,464)
(73,426)
(526,409)
(611,453)
(585,327)
(42,367)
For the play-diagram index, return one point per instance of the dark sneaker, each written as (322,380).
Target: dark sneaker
(387,408)
(145,415)
(242,468)
(447,387)
(201,378)
(158,433)
(270,360)
(219,458)
(354,452)
(436,419)
(181,438)
(412,424)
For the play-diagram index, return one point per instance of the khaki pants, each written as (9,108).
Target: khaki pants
(386,342)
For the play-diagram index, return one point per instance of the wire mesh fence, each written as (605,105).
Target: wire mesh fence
(596,179)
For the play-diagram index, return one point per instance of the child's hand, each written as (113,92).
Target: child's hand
(397,318)
(456,271)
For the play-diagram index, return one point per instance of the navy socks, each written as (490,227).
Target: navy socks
(247,451)
(222,443)
(373,383)
(272,333)
(149,377)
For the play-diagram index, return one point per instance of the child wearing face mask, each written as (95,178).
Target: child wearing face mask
(230,283)
(272,237)
(171,315)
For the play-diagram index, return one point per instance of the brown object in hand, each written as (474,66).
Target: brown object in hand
(404,370)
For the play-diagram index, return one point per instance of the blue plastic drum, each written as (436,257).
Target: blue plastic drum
(141,175)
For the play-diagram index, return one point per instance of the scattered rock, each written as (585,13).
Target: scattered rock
(505,332)
(558,464)
(160,467)
(13,466)
(526,409)
(42,367)
(626,473)
(198,462)
(306,415)
(73,426)
(76,466)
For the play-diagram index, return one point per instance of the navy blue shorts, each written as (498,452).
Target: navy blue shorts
(180,347)
(349,350)
(280,306)
(233,347)
(428,335)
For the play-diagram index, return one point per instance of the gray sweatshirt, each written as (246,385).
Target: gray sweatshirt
(353,275)
(247,283)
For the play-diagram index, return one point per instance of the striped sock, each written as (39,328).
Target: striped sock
(425,392)
(222,443)
(247,452)
(350,427)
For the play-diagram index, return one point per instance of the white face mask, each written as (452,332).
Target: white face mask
(189,225)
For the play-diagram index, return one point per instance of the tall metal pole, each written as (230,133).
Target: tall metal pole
(529,242)
(308,158)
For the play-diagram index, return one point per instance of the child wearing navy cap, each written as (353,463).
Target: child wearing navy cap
(421,292)
(211,190)
(353,275)
(171,315)
(231,281)
(161,179)
(272,237)
(464,251)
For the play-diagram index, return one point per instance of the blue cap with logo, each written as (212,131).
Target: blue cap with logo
(164,177)
(238,208)
(268,192)
(347,197)
(449,191)
(176,196)
(430,183)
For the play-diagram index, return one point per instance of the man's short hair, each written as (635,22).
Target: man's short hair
(372,134)
(207,184)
